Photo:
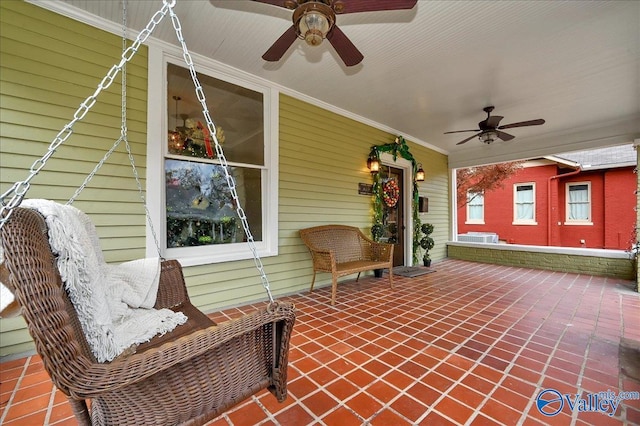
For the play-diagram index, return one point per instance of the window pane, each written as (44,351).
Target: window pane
(579,206)
(236,111)
(476,199)
(524,211)
(578,193)
(200,209)
(524,202)
(525,193)
(475,212)
(476,206)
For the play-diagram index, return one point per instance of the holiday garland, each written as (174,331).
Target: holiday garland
(398,147)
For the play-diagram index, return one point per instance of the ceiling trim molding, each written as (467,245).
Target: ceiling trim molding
(111,27)
(82,16)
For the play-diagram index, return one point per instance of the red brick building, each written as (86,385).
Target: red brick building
(578,199)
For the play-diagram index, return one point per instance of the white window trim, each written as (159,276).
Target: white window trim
(469,221)
(515,206)
(574,222)
(157,128)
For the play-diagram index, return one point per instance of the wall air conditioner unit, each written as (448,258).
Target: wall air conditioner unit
(478,237)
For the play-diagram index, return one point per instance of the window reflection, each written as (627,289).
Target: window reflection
(200,208)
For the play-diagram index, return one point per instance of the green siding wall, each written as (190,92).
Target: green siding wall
(322,158)
(49,64)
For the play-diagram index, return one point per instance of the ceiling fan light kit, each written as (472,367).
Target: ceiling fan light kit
(488,137)
(490,130)
(313,21)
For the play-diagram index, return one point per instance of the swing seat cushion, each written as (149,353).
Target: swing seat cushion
(187,376)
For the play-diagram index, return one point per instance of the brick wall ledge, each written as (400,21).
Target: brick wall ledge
(576,251)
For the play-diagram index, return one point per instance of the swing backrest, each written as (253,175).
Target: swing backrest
(191,374)
(50,316)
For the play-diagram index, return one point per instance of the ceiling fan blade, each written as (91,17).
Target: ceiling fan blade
(469,138)
(504,136)
(280,3)
(278,49)
(462,131)
(537,122)
(493,121)
(353,6)
(347,51)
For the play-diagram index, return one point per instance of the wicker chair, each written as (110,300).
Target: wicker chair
(344,250)
(188,376)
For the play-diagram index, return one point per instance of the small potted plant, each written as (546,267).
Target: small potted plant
(376,233)
(426,243)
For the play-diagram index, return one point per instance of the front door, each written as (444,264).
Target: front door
(393,211)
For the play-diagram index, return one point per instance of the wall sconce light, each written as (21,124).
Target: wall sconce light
(373,163)
(420,174)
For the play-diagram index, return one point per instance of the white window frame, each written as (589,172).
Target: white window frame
(517,221)
(470,221)
(157,129)
(567,220)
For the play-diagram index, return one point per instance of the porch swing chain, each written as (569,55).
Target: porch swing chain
(12,198)
(220,154)
(123,137)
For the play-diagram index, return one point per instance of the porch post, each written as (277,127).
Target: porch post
(637,242)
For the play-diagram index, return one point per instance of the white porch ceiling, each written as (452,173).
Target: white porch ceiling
(433,68)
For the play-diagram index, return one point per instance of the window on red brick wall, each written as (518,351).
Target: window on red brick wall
(524,204)
(578,206)
(475,207)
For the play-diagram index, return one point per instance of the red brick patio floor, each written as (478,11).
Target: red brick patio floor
(469,344)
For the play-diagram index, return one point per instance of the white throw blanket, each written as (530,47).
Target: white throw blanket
(6,297)
(114,302)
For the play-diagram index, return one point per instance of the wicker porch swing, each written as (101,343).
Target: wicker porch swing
(187,376)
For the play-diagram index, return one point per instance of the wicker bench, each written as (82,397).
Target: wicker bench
(343,250)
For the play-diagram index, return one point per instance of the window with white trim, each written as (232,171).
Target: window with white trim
(578,203)
(200,223)
(524,204)
(475,207)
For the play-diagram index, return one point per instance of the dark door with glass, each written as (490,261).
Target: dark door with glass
(393,211)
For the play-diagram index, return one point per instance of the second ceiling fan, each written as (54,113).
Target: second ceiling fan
(315,20)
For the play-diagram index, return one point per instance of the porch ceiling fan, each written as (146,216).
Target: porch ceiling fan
(315,20)
(489,129)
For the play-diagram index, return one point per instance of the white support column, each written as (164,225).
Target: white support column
(454,207)
(636,143)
